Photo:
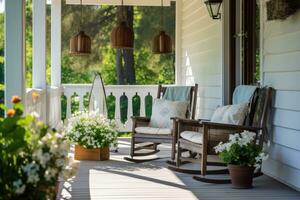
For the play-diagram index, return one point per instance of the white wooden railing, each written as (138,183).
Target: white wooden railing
(34,102)
(46,104)
(130,91)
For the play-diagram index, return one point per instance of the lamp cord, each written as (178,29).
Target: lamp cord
(80,25)
(162,14)
(122,10)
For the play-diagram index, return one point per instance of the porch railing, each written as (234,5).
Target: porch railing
(124,101)
(45,104)
(34,102)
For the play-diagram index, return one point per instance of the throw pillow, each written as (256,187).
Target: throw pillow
(164,110)
(231,114)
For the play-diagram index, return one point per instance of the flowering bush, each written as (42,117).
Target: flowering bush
(91,130)
(33,156)
(242,150)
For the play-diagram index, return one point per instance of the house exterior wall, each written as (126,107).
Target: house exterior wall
(281,69)
(200,40)
(201,54)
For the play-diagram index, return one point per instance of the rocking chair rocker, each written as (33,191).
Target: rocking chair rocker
(206,135)
(146,140)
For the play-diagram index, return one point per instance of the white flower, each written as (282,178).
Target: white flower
(234,137)
(31,169)
(50,173)
(43,158)
(60,162)
(35,114)
(33,178)
(19,186)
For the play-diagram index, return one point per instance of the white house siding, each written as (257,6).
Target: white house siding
(201,54)
(281,70)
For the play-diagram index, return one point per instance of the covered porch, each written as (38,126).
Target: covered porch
(202,56)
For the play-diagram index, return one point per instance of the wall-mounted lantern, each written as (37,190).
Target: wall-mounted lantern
(213,7)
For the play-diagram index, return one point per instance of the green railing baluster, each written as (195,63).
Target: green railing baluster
(86,101)
(111,106)
(123,108)
(136,105)
(148,105)
(74,103)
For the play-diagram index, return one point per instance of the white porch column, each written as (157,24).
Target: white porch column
(14,49)
(56,43)
(54,98)
(39,49)
(178,43)
(39,44)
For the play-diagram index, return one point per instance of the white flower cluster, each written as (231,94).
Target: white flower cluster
(261,157)
(49,161)
(242,139)
(19,186)
(31,170)
(91,130)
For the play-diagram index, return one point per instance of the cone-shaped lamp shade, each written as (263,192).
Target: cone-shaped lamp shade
(213,7)
(162,43)
(122,37)
(80,44)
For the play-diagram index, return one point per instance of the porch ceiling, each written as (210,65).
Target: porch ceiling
(118,2)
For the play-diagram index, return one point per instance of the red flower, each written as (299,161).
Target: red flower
(16,99)
(11,112)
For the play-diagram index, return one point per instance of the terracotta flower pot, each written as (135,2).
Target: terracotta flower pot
(82,153)
(241,176)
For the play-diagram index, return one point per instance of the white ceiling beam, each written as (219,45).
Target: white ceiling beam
(118,2)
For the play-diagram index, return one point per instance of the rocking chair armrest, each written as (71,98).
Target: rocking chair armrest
(215,125)
(140,119)
(188,121)
(204,120)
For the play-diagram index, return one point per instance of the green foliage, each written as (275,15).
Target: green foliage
(257,66)
(98,23)
(125,134)
(32,157)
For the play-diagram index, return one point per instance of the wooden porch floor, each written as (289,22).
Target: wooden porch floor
(118,179)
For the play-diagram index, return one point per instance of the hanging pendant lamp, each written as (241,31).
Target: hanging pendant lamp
(162,43)
(122,37)
(80,43)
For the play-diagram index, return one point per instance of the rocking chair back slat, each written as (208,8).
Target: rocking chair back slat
(193,99)
(262,107)
(262,111)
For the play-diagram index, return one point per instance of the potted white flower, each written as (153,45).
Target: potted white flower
(92,135)
(242,155)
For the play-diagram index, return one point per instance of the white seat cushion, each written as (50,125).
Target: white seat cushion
(192,136)
(151,130)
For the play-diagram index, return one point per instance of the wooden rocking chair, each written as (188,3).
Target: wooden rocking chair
(210,134)
(149,141)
